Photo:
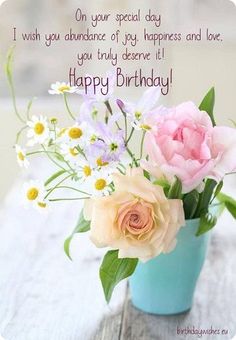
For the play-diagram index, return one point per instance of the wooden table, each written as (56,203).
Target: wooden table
(45,296)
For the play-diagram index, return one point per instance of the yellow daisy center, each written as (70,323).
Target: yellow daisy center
(32,194)
(145,127)
(75,133)
(21,156)
(100,162)
(74,152)
(39,128)
(87,171)
(100,184)
(42,204)
(64,88)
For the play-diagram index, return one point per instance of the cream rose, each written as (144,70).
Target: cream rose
(137,218)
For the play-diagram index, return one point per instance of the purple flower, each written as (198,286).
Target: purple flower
(120,104)
(140,112)
(115,146)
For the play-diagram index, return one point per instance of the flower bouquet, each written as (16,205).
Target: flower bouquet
(150,178)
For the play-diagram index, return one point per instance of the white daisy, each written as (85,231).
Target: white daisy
(85,170)
(33,195)
(100,183)
(70,153)
(21,156)
(61,88)
(39,131)
(75,135)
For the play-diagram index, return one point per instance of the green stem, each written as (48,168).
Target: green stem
(55,132)
(57,185)
(37,152)
(122,165)
(51,159)
(121,171)
(78,148)
(126,126)
(29,108)
(15,107)
(67,106)
(130,136)
(19,133)
(68,199)
(108,106)
(53,153)
(8,69)
(132,156)
(142,141)
(71,188)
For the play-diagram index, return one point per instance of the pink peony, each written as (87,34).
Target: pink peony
(184,143)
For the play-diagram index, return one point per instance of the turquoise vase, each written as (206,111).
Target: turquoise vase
(165,285)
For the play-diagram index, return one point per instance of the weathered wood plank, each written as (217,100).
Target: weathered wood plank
(43,295)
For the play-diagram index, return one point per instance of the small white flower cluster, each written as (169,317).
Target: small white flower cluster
(88,151)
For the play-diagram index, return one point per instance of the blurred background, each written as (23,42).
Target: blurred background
(197,66)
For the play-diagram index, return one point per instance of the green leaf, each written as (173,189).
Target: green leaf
(54,176)
(146,174)
(229,202)
(225,198)
(81,227)
(190,202)
(113,270)
(231,209)
(164,184)
(208,103)
(205,197)
(29,106)
(218,189)
(8,71)
(9,62)
(175,191)
(59,157)
(207,222)
(67,246)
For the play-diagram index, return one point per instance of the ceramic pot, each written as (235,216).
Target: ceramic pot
(165,285)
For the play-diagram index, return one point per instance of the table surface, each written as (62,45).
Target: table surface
(45,296)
